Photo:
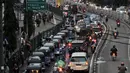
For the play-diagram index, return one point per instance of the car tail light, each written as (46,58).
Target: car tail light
(113,54)
(37,71)
(60,69)
(86,63)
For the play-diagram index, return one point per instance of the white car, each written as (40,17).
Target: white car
(106,8)
(121,10)
(79,62)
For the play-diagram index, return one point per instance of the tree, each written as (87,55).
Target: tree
(11,24)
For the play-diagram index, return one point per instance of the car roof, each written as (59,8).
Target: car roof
(61,33)
(48,44)
(77,41)
(34,57)
(64,31)
(45,48)
(76,54)
(57,36)
(34,66)
(55,40)
(38,53)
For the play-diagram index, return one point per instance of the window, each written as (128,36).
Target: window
(78,59)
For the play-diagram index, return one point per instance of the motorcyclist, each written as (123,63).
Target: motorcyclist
(115,31)
(106,19)
(114,50)
(122,68)
(59,64)
(118,21)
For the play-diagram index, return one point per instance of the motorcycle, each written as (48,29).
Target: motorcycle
(60,70)
(118,24)
(115,35)
(113,56)
(93,47)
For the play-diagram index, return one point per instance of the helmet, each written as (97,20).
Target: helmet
(122,63)
(114,46)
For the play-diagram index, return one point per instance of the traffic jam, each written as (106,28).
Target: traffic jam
(71,49)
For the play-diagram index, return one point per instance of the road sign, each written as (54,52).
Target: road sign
(36,0)
(36,4)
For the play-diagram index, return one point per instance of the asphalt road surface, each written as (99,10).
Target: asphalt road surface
(122,45)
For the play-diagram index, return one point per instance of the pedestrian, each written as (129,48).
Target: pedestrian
(16,68)
(22,56)
(106,19)
(38,19)
(6,68)
(44,18)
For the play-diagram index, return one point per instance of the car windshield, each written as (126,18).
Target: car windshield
(78,59)
(76,44)
(96,29)
(122,9)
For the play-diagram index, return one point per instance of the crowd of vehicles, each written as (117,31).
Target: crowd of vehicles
(68,49)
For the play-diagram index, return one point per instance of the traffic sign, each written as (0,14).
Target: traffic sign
(36,0)
(36,4)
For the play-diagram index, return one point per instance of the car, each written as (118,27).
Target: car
(50,44)
(81,25)
(59,37)
(77,43)
(35,68)
(34,59)
(40,54)
(48,53)
(106,8)
(79,62)
(62,34)
(97,31)
(121,10)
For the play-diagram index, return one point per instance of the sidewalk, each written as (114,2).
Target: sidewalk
(42,28)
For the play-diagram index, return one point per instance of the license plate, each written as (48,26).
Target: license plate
(78,64)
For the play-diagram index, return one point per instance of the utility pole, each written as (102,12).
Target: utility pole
(1,40)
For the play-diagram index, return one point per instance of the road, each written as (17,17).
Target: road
(122,45)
